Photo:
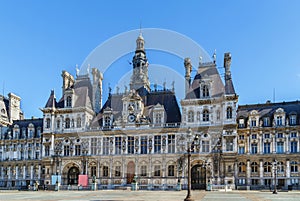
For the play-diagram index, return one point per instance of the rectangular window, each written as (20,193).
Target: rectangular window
(241,150)
(241,137)
(144,145)
(105,171)
(93,170)
(157,170)
(280,135)
(47,150)
(267,135)
(171,143)
(171,169)
(77,150)
(253,148)
(253,122)
(118,145)
(254,136)
(294,146)
(130,145)
(93,146)
(267,182)
(279,147)
(267,148)
(254,181)
(241,123)
(229,145)
(37,155)
(118,171)
(293,119)
(279,121)
(293,134)
(157,144)
(205,146)
(266,121)
(105,145)
(143,170)
(66,150)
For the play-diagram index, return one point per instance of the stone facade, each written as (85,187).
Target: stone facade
(142,136)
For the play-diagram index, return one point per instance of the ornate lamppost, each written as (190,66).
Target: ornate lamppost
(192,141)
(275,176)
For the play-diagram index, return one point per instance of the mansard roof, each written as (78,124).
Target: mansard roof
(82,89)
(165,98)
(268,109)
(206,72)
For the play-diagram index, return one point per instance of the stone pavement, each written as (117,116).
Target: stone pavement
(118,195)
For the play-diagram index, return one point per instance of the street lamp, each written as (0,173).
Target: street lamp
(192,141)
(275,176)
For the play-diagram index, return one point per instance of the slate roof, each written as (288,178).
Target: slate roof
(166,98)
(51,100)
(229,88)
(206,72)
(268,109)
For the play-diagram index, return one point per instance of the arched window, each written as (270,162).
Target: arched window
(205,115)
(229,113)
(69,101)
(78,123)
(254,167)
(205,91)
(171,170)
(190,116)
(242,167)
(267,167)
(47,123)
(67,123)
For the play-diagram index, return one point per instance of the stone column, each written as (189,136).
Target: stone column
(31,171)
(9,172)
(24,172)
(17,172)
(288,172)
(248,174)
(287,144)
(249,144)
(273,144)
(39,172)
(261,172)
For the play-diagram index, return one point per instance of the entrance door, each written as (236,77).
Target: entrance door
(73,176)
(130,172)
(198,177)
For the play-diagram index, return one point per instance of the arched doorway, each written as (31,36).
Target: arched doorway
(73,176)
(130,172)
(198,177)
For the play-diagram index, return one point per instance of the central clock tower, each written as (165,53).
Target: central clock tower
(133,107)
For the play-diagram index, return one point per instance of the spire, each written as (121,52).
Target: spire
(139,76)
(51,103)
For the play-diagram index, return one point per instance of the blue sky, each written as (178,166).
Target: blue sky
(39,39)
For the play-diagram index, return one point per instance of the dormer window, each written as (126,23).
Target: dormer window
(190,116)
(158,118)
(279,121)
(293,119)
(69,101)
(253,122)
(229,113)
(205,91)
(107,121)
(266,121)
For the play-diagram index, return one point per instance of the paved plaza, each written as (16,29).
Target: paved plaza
(117,195)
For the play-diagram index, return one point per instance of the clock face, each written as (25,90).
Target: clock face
(131,118)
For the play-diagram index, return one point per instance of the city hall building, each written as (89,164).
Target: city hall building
(142,135)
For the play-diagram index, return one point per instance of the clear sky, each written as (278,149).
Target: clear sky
(39,39)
